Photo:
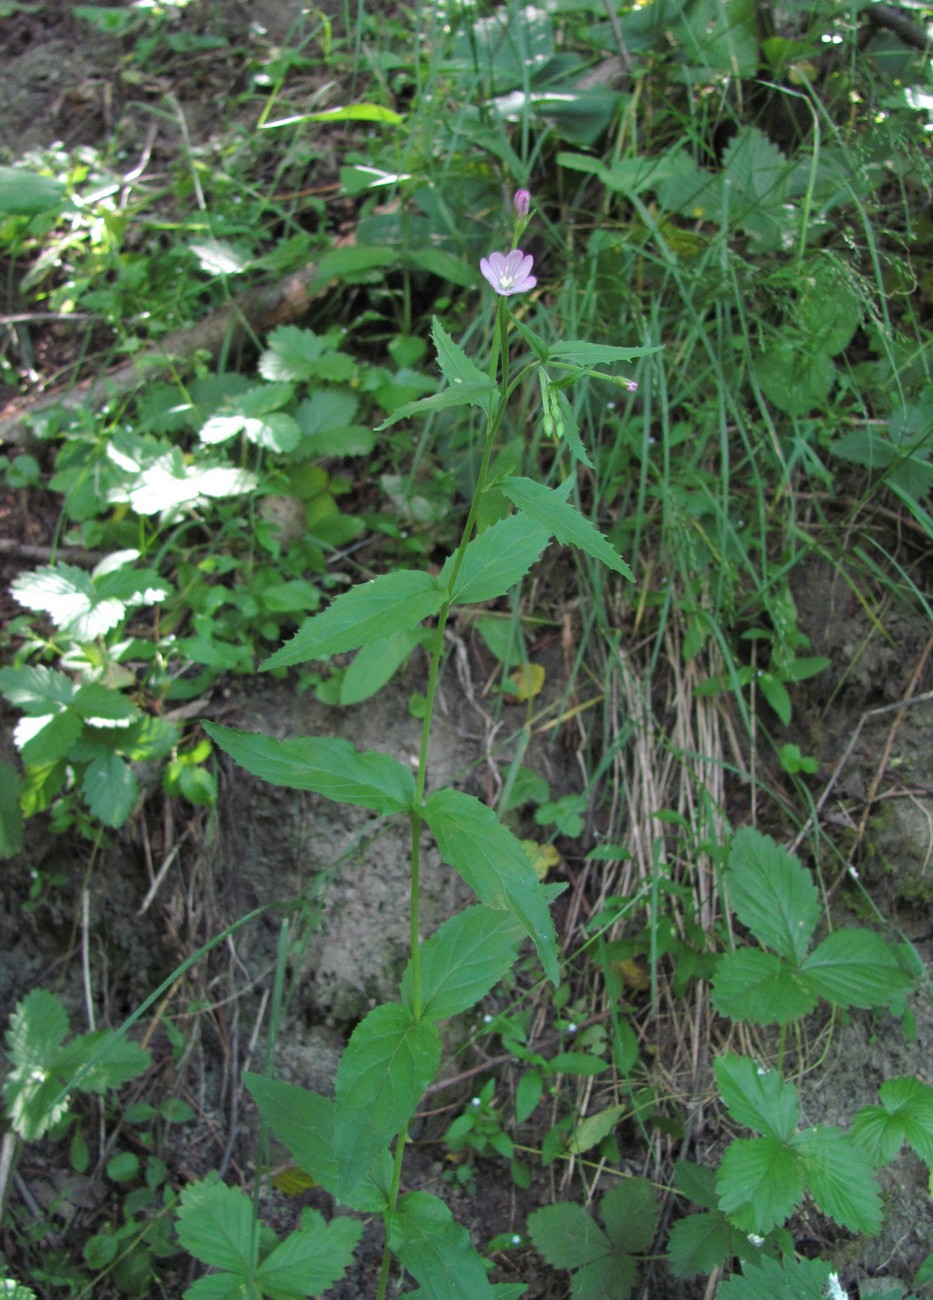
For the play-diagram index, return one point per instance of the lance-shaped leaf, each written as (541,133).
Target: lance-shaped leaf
(389,1061)
(394,602)
(548,508)
(304,1121)
(495,560)
(577,352)
(463,959)
(437,1251)
(325,764)
(494,864)
(461,395)
(456,365)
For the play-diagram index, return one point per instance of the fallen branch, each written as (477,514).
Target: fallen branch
(249,314)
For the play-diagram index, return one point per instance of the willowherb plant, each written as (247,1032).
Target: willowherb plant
(354,1145)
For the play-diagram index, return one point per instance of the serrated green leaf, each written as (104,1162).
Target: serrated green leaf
(702,1242)
(101,1060)
(760,988)
(793,379)
(495,560)
(839,1178)
(311,1259)
(325,764)
(567,1235)
(69,597)
(101,706)
(570,528)
(293,354)
(44,740)
(772,894)
(463,959)
(395,602)
(37,690)
(214,1223)
(36,1031)
(386,1066)
(629,1212)
(905,1115)
(494,864)
(436,1251)
(611,1278)
(759,1099)
(304,1122)
(785,1279)
(110,789)
(857,968)
(759,1184)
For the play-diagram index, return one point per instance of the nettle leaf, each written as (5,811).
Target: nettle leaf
(760,988)
(567,1235)
(759,1099)
(905,1115)
(570,528)
(760,1182)
(304,1121)
(839,1178)
(386,1066)
(495,560)
(857,968)
(772,894)
(395,602)
(311,1259)
(325,764)
(215,1224)
(436,1250)
(463,959)
(494,864)
(69,597)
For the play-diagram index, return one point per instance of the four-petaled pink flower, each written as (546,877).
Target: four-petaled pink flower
(509,273)
(522,202)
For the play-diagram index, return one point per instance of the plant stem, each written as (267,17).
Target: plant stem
(500,352)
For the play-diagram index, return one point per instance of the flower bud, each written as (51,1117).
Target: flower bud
(522,202)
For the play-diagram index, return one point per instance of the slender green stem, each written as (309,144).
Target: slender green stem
(500,354)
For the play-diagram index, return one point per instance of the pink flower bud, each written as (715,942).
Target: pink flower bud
(522,202)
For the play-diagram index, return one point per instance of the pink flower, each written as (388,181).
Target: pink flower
(509,273)
(522,202)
